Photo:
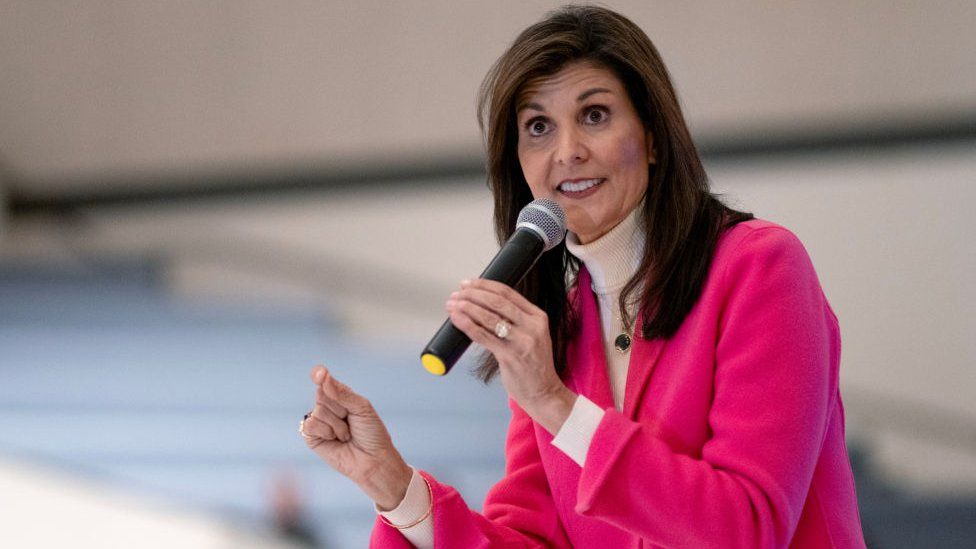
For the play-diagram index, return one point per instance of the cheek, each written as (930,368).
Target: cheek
(534,172)
(632,161)
(632,153)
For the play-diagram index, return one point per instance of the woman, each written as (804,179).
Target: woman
(672,367)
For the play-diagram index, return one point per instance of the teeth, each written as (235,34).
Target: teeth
(577,186)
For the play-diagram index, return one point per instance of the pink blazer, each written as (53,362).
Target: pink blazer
(731,435)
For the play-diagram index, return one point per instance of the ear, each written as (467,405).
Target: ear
(651,151)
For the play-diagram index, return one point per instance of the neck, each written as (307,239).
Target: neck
(613,258)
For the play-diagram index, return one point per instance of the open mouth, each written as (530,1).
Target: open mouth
(579,187)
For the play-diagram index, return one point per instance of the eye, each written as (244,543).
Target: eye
(537,126)
(595,115)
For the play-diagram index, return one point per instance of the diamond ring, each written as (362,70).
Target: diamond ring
(501,329)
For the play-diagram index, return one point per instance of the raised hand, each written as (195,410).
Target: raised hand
(346,432)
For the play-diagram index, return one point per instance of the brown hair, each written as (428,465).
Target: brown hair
(682,220)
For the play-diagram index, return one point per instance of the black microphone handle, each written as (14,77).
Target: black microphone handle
(516,257)
(509,266)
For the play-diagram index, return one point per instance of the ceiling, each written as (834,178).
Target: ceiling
(104,94)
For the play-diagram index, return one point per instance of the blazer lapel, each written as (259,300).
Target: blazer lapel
(588,364)
(644,355)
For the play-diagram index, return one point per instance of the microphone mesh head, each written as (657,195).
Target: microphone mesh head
(546,218)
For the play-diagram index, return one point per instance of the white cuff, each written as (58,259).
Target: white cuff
(575,435)
(415,503)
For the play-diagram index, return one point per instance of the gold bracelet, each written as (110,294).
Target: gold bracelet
(430,509)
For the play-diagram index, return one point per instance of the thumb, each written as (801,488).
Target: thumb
(341,393)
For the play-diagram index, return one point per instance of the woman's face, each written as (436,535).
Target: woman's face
(582,144)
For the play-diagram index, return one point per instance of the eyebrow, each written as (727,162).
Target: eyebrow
(534,106)
(592,91)
(537,107)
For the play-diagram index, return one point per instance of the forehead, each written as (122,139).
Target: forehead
(570,80)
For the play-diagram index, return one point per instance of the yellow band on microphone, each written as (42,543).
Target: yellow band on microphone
(433,364)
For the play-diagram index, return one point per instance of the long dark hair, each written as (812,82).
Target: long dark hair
(681,219)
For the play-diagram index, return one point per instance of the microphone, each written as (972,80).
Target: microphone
(541,226)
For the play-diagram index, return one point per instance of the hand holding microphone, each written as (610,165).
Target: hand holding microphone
(541,225)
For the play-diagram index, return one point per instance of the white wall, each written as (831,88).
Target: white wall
(107,87)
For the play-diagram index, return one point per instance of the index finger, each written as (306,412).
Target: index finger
(330,403)
(502,290)
(318,373)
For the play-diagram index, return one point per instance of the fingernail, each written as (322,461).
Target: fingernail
(319,375)
(465,283)
(454,295)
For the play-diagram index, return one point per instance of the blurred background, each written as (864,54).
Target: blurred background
(201,200)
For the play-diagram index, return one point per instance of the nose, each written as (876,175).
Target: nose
(571,147)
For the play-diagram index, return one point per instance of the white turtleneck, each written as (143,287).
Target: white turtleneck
(611,261)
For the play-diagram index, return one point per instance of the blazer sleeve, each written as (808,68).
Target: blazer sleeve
(773,391)
(518,511)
